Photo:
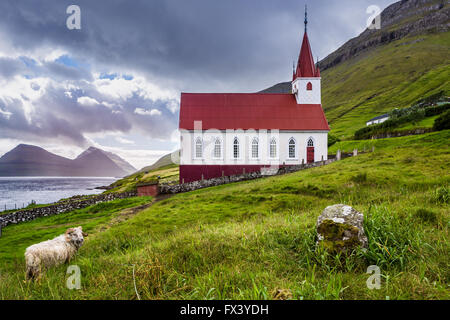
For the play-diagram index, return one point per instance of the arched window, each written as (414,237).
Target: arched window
(273,148)
(198,148)
(236,148)
(255,149)
(310,142)
(218,148)
(309,86)
(292,148)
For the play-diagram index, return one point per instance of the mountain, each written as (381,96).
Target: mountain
(394,67)
(28,160)
(121,163)
(110,161)
(161,162)
(96,162)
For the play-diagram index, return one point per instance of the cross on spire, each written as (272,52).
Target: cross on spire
(306,18)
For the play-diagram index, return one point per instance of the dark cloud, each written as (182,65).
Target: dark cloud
(195,45)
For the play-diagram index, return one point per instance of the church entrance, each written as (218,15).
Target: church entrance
(310,151)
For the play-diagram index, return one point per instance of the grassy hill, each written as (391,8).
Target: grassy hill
(251,239)
(391,76)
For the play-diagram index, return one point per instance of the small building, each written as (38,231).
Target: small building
(377,120)
(148,189)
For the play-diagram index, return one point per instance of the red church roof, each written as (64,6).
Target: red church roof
(305,66)
(249,111)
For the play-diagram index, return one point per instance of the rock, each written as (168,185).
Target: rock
(340,229)
(282,294)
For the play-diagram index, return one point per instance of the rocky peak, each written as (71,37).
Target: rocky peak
(401,19)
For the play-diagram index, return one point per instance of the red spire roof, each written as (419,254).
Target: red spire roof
(305,66)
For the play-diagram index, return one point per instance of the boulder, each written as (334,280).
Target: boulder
(340,229)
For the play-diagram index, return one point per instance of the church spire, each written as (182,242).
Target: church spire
(306,18)
(306,68)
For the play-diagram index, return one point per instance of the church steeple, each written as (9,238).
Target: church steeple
(306,84)
(306,67)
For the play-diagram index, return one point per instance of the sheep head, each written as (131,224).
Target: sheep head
(75,236)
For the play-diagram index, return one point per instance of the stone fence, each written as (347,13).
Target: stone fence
(267,172)
(60,207)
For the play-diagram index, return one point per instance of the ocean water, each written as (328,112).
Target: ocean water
(20,191)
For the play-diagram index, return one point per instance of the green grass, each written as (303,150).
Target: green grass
(167,174)
(249,239)
(16,238)
(422,124)
(390,76)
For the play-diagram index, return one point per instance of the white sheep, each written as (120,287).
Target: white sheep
(53,252)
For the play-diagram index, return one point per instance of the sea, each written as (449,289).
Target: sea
(18,192)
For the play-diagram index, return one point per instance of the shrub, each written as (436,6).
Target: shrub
(426,215)
(443,122)
(360,178)
(332,140)
(434,111)
(442,195)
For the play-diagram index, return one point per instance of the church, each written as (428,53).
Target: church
(225,134)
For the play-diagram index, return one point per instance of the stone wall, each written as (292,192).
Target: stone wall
(186,187)
(60,207)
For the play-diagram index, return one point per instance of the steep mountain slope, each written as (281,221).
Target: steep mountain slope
(121,163)
(405,61)
(96,163)
(161,162)
(27,160)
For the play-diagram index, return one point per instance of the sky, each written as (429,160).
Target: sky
(115,83)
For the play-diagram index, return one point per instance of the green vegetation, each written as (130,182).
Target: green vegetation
(16,238)
(443,122)
(249,240)
(392,76)
(167,174)
(410,116)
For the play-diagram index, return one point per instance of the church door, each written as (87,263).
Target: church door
(310,155)
(310,151)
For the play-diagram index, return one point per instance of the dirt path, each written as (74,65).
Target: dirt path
(130,212)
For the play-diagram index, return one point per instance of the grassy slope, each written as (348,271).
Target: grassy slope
(167,174)
(248,239)
(391,76)
(16,238)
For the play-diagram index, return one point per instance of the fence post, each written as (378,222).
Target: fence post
(355,152)
(338,155)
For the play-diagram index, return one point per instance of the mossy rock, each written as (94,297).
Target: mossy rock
(338,237)
(340,229)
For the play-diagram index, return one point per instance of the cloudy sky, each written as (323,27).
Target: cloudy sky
(116,82)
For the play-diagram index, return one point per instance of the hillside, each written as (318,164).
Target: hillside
(28,160)
(161,162)
(251,239)
(405,61)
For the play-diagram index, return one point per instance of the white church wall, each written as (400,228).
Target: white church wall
(188,145)
(304,96)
